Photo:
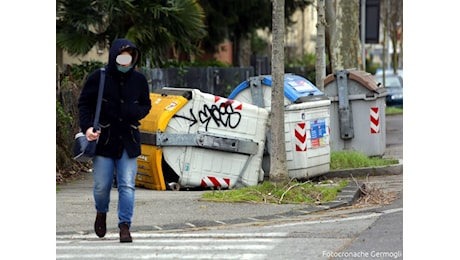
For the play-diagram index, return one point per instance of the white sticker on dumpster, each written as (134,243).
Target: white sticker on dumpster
(318,133)
(171,106)
(301,86)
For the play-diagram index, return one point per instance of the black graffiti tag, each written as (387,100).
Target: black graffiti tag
(221,115)
(192,119)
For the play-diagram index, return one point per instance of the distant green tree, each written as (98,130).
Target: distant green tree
(158,27)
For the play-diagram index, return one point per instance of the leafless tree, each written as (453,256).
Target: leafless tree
(392,11)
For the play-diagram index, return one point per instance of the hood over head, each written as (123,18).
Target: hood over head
(118,46)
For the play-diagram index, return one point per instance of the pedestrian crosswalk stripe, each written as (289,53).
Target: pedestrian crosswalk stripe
(192,245)
(170,235)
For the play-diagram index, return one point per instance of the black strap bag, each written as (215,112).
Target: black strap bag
(84,150)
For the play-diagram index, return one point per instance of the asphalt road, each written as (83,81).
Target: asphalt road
(394,136)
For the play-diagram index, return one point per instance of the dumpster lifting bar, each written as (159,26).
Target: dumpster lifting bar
(204,140)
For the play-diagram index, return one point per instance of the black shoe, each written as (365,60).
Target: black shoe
(125,235)
(100,225)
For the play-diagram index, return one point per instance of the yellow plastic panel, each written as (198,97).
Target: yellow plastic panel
(150,172)
(149,168)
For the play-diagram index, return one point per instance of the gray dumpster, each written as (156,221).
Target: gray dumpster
(306,122)
(357,112)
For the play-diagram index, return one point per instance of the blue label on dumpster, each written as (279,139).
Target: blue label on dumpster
(294,87)
(318,132)
(301,86)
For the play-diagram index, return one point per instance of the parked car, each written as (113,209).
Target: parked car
(394,86)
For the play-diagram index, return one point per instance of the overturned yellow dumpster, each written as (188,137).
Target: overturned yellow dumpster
(193,139)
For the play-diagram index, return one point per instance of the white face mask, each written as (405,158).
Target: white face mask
(124,59)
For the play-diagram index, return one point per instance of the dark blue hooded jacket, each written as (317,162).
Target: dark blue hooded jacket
(125,102)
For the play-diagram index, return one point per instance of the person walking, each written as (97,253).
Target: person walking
(126,100)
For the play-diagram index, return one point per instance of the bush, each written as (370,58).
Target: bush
(68,90)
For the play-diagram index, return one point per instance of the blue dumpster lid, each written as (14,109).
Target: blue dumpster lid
(295,87)
(242,86)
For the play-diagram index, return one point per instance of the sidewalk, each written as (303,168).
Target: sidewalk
(167,210)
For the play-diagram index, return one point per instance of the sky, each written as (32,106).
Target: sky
(27,111)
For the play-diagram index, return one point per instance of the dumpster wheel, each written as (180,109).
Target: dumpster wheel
(174,186)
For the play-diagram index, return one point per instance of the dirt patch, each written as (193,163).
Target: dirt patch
(74,173)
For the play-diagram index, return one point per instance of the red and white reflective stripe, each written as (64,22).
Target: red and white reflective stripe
(375,120)
(300,132)
(210,181)
(220,101)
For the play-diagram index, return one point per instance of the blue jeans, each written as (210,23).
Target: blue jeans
(104,170)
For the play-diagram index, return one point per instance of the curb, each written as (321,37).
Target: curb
(368,171)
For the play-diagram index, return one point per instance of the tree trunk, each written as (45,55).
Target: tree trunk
(385,38)
(244,53)
(395,28)
(278,165)
(320,63)
(330,29)
(345,43)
